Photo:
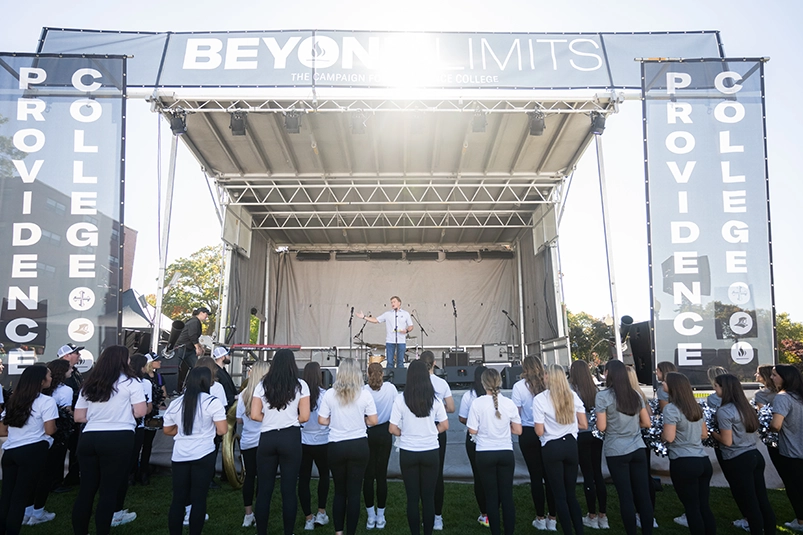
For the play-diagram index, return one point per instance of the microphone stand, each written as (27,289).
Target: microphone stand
(358,336)
(456,347)
(351,317)
(421,327)
(515,329)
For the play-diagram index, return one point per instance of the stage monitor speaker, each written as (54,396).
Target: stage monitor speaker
(397,376)
(455,358)
(327,377)
(495,352)
(459,375)
(640,346)
(510,375)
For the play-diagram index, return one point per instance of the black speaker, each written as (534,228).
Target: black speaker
(397,376)
(459,375)
(455,358)
(510,375)
(327,378)
(641,348)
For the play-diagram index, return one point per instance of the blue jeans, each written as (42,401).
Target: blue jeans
(397,351)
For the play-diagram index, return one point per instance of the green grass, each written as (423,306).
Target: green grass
(460,511)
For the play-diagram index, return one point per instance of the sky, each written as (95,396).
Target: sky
(748,29)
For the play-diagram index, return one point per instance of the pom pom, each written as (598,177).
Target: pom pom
(710,417)
(768,437)
(652,435)
(592,425)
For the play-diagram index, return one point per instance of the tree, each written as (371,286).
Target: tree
(7,153)
(790,339)
(589,337)
(197,286)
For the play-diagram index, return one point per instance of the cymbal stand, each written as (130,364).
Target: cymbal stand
(423,332)
(515,330)
(360,343)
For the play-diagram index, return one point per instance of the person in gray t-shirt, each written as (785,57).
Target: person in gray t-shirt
(687,440)
(623,432)
(729,419)
(787,419)
(767,392)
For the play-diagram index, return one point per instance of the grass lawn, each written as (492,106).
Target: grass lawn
(460,511)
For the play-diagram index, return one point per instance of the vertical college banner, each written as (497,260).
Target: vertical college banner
(708,215)
(61,173)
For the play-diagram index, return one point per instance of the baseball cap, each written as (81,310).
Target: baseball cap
(201,309)
(220,351)
(69,348)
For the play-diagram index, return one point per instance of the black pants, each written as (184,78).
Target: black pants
(792,476)
(187,357)
(147,448)
(139,441)
(691,477)
(750,492)
(190,486)
(496,471)
(22,468)
(560,465)
(380,442)
(479,493)
(52,474)
(650,481)
(439,488)
(74,471)
(139,435)
(589,449)
(630,477)
(319,455)
(279,449)
(250,475)
(347,460)
(530,446)
(419,471)
(104,458)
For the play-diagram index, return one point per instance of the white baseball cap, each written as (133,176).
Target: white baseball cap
(69,348)
(220,352)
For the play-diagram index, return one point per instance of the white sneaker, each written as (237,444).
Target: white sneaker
(682,520)
(381,522)
(589,522)
(551,524)
(122,517)
(483,520)
(371,523)
(540,524)
(40,519)
(794,525)
(438,523)
(187,516)
(321,518)
(602,521)
(248,520)
(654,523)
(309,524)
(638,521)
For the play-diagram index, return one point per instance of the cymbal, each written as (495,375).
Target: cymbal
(412,337)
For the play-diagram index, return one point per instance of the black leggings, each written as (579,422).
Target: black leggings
(380,442)
(530,446)
(479,493)
(630,477)
(147,448)
(250,475)
(589,449)
(691,477)
(439,488)
(318,454)
(792,476)
(190,486)
(750,491)
(496,472)
(278,449)
(22,468)
(347,460)
(139,437)
(419,471)
(650,481)
(53,473)
(105,457)
(560,465)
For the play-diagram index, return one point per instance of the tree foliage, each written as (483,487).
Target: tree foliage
(197,286)
(589,337)
(790,339)
(7,153)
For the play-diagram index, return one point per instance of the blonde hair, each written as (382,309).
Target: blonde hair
(714,372)
(349,381)
(533,374)
(633,378)
(258,370)
(561,394)
(492,382)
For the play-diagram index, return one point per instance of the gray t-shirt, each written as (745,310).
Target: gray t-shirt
(729,419)
(764,396)
(623,433)
(688,435)
(714,401)
(790,442)
(660,394)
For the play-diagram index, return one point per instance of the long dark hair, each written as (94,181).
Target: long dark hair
(138,361)
(580,378)
(312,376)
(112,363)
(477,387)
(732,392)
(58,373)
(628,400)
(792,382)
(428,358)
(682,396)
(419,394)
(281,381)
(765,372)
(198,380)
(20,404)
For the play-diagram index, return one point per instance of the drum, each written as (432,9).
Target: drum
(379,359)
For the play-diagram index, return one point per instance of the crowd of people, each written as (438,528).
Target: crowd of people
(564,421)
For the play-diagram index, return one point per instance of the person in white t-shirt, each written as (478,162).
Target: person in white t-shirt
(558,414)
(217,390)
(110,401)
(398,324)
(30,418)
(477,390)
(417,418)
(444,394)
(348,410)
(492,419)
(193,420)
(249,438)
(281,403)
(314,448)
(380,442)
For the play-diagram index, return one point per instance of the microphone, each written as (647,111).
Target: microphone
(504,312)
(352,311)
(453,306)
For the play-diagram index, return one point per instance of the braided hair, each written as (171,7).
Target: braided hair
(492,382)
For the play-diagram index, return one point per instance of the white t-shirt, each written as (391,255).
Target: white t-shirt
(493,434)
(218,391)
(544,413)
(442,390)
(346,422)
(313,433)
(465,403)
(396,320)
(523,399)
(417,434)
(147,389)
(383,399)
(249,438)
(274,419)
(43,410)
(62,395)
(114,414)
(202,440)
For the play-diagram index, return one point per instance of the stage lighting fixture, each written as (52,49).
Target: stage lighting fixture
(597,123)
(537,123)
(479,122)
(358,123)
(178,122)
(238,123)
(292,122)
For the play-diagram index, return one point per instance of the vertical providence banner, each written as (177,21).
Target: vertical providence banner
(61,172)
(708,215)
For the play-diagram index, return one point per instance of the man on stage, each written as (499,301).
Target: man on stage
(398,323)
(188,347)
